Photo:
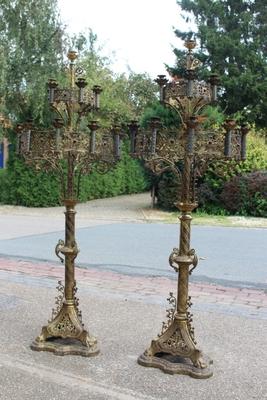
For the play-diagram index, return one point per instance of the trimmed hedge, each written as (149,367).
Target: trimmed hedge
(23,185)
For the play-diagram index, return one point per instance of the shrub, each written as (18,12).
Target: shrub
(205,195)
(168,191)
(256,160)
(23,185)
(211,184)
(128,176)
(3,181)
(246,194)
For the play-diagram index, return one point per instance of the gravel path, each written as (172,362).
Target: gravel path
(135,207)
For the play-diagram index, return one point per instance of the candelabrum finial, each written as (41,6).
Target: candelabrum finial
(72,55)
(190,44)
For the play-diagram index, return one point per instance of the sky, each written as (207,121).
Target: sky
(135,33)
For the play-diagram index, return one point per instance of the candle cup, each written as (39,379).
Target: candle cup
(155,124)
(228,144)
(93,126)
(81,83)
(154,141)
(97,90)
(117,145)
(28,141)
(52,85)
(92,142)
(243,150)
(133,128)
(116,137)
(214,82)
(229,126)
(161,81)
(58,123)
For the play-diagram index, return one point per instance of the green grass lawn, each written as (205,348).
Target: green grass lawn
(200,218)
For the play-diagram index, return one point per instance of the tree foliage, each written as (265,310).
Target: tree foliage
(31,48)
(37,54)
(123,97)
(233,42)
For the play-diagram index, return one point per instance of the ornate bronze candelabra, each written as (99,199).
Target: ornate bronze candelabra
(186,151)
(71,148)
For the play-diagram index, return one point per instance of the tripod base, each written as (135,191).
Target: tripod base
(65,334)
(175,351)
(176,365)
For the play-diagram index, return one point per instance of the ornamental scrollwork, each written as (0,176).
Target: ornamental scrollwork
(58,300)
(170,313)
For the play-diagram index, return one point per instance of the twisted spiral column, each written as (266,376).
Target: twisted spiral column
(182,295)
(69,243)
(185,233)
(185,207)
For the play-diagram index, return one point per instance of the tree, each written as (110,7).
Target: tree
(31,48)
(233,42)
(123,97)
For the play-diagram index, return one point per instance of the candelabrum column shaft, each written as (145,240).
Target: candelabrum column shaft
(182,290)
(186,180)
(185,234)
(70,244)
(70,175)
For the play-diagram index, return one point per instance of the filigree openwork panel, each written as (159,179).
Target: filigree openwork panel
(42,142)
(179,89)
(74,141)
(104,143)
(171,148)
(71,96)
(24,142)
(176,88)
(202,89)
(39,149)
(209,145)
(170,144)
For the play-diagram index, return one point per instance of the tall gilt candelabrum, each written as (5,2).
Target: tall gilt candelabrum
(71,148)
(185,150)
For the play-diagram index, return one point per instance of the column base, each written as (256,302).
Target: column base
(65,333)
(65,346)
(174,351)
(176,365)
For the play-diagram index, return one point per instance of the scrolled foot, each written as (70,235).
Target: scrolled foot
(89,341)
(198,360)
(43,336)
(149,352)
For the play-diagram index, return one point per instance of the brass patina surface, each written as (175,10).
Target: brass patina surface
(185,150)
(73,147)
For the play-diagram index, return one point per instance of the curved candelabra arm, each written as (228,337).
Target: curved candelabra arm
(60,113)
(159,165)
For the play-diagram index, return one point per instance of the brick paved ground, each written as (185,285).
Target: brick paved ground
(209,297)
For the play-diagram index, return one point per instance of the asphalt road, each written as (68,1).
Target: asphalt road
(231,256)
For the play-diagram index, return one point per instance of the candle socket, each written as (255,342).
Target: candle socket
(161,80)
(227,143)
(133,129)
(244,132)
